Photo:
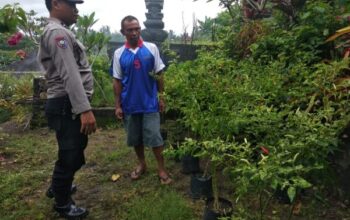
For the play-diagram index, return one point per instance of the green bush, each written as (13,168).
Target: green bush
(103,88)
(13,91)
(236,108)
(6,58)
(5,115)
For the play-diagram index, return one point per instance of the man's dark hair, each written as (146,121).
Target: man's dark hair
(48,4)
(127,18)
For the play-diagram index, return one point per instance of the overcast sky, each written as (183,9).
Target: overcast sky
(110,12)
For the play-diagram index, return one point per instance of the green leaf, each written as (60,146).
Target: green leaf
(295,157)
(319,9)
(291,193)
(301,183)
(306,15)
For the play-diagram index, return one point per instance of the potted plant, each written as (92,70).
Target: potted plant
(201,184)
(185,151)
(190,164)
(215,151)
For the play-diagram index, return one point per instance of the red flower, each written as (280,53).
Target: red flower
(15,39)
(18,36)
(264,150)
(12,41)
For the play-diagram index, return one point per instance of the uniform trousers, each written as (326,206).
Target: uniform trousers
(71,146)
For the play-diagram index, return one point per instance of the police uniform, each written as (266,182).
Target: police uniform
(70,87)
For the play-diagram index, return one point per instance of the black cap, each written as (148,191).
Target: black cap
(75,1)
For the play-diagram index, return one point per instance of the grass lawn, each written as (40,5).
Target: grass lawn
(27,159)
(26,165)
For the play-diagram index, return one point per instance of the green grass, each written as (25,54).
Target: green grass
(164,204)
(26,168)
(26,172)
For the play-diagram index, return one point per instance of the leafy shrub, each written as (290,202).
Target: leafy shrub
(301,40)
(103,89)
(295,112)
(13,91)
(10,17)
(7,57)
(5,115)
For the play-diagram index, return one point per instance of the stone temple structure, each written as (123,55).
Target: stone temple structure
(154,25)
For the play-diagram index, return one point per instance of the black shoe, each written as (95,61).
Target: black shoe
(49,192)
(71,211)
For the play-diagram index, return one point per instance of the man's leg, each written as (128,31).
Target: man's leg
(133,127)
(140,153)
(162,173)
(153,138)
(62,179)
(70,159)
(49,192)
(158,153)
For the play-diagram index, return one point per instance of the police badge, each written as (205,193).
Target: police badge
(61,42)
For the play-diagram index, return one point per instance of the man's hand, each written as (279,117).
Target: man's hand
(88,122)
(161,105)
(119,113)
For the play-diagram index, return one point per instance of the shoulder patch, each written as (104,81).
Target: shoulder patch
(61,42)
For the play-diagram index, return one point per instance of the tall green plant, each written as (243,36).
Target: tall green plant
(10,17)
(270,119)
(236,108)
(103,95)
(13,92)
(94,42)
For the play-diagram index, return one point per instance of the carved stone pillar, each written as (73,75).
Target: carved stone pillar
(38,105)
(154,25)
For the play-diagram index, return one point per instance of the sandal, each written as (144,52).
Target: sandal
(165,180)
(137,173)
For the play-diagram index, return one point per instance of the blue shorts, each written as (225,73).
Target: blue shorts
(143,129)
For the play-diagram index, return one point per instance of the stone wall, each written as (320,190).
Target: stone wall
(104,116)
(184,51)
(28,64)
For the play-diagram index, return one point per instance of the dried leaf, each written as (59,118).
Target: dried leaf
(115,177)
(339,33)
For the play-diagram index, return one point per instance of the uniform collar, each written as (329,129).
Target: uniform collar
(139,43)
(57,21)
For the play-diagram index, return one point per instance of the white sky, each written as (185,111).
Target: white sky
(177,13)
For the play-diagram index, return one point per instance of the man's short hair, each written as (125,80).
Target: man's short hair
(48,4)
(127,18)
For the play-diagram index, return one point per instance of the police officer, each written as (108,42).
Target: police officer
(70,87)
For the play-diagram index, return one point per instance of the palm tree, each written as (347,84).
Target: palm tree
(206,28)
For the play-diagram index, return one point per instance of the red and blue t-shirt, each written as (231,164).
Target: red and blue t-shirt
(134,68)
